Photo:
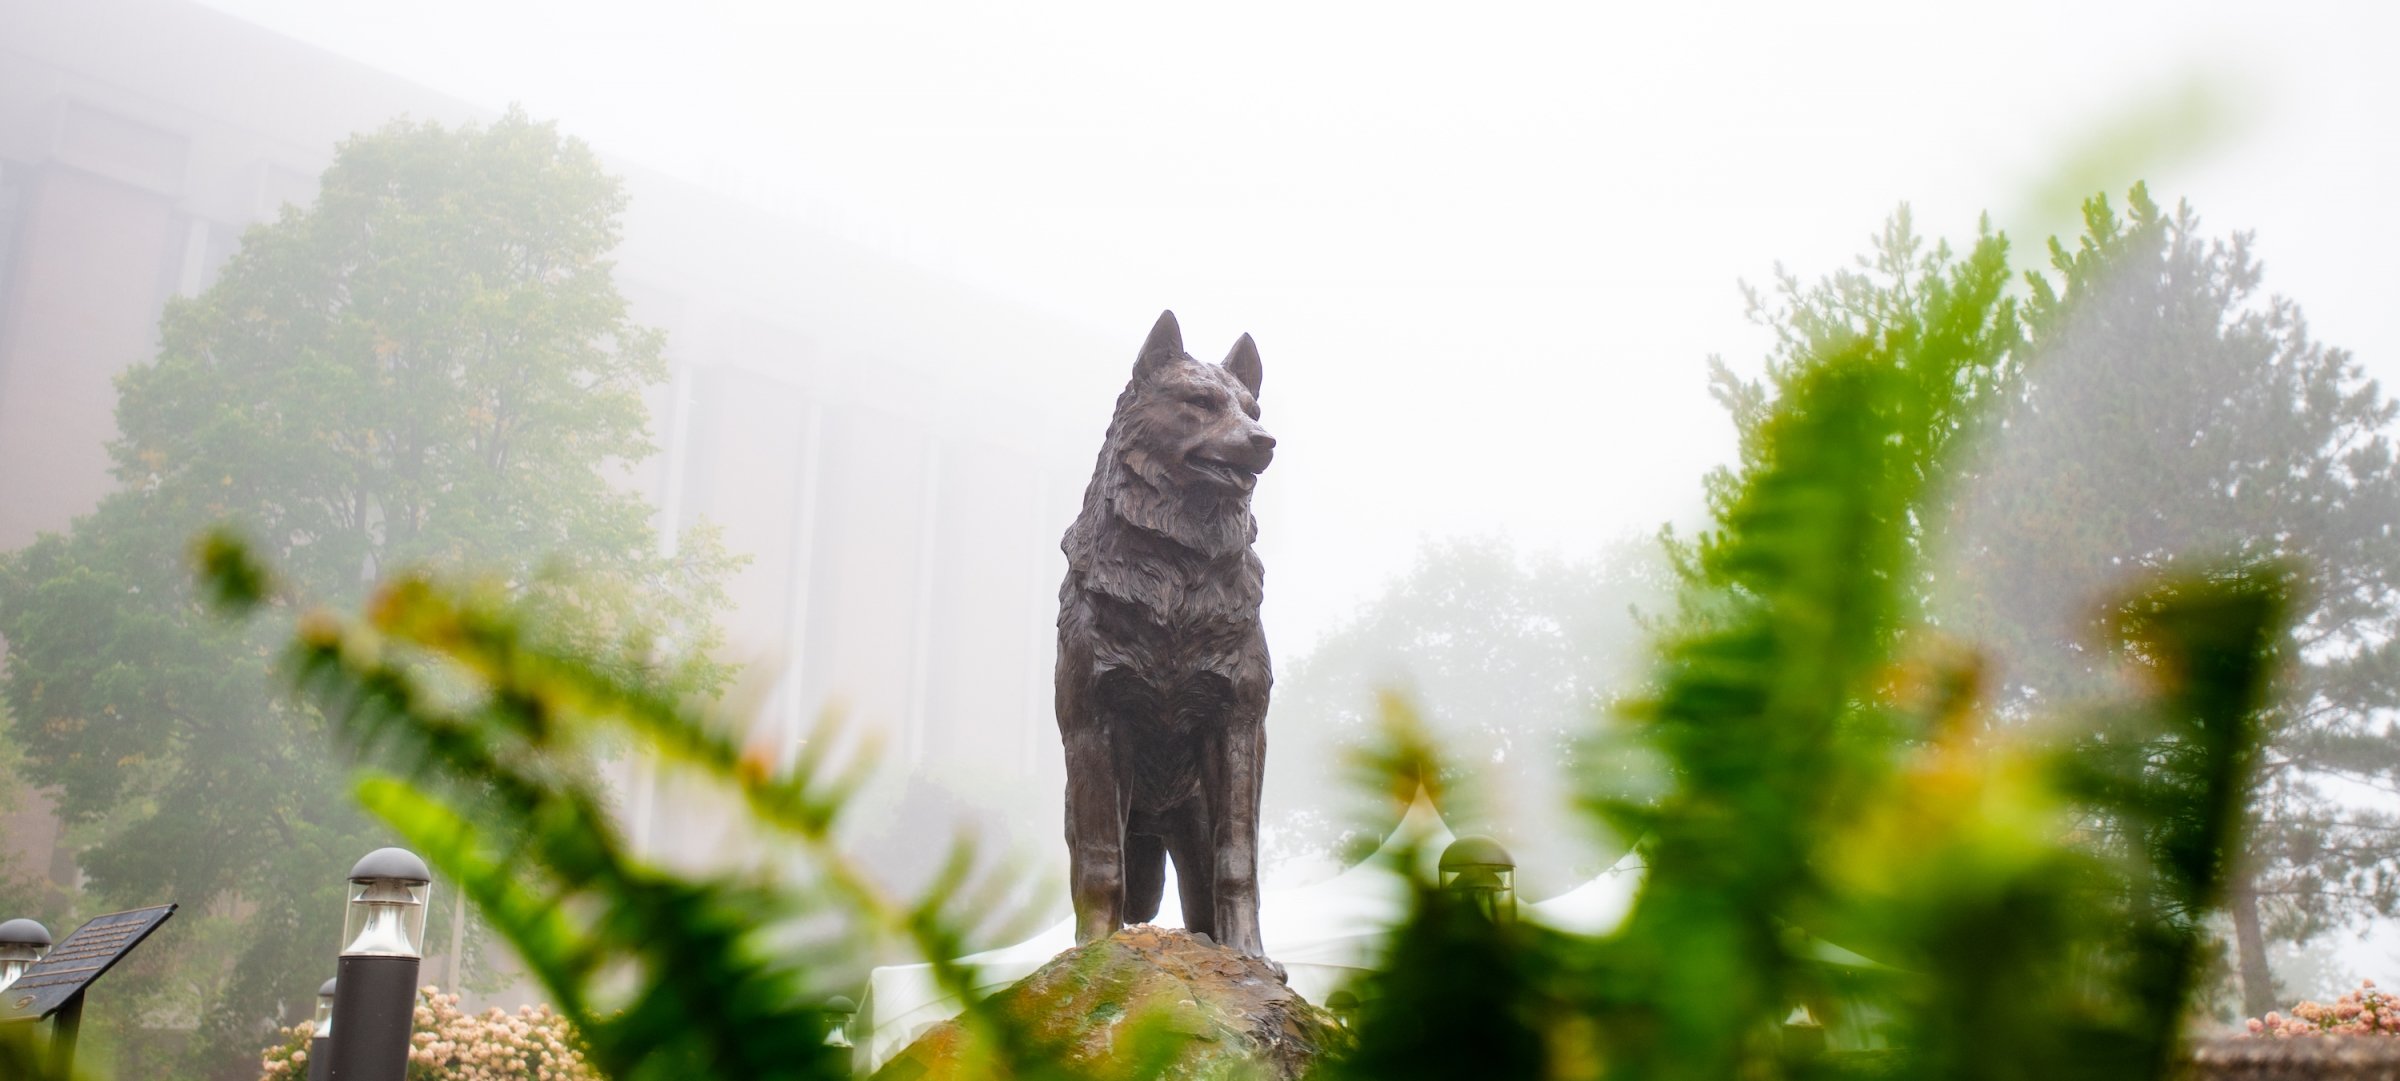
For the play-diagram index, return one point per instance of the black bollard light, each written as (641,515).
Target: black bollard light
(1344,1007)
(1481,871)
(1803,1035)
(384,932)
(838,1012)
(22,942)
(320,1042)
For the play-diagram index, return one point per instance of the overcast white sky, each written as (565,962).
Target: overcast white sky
(1486,249)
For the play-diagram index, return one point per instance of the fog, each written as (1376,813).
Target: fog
(1486,256)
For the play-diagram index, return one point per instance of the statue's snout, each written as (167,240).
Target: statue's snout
(1255,452)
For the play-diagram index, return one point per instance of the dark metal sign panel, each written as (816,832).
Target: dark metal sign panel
(74,963)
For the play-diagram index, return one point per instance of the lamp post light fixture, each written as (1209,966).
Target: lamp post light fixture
(325,1009)
(320,1042)
(1803,1034)
(1344,1007)
(384,934)
(1482,872)
(386,917)
(22,942)
(839,1010)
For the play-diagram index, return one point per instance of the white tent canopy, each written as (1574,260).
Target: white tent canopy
(1597,907)
(1324,934)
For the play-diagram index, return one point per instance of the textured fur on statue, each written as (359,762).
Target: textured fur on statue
(1162,666)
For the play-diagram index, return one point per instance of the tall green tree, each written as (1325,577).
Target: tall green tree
(2149,407)
(2170,409)
(1902,284)
(431,365)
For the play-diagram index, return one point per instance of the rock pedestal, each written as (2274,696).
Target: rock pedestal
(1167,1003)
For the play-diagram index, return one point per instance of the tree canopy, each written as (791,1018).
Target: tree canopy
(430,365)
(1507,658)
(2169,409)
(2147,409)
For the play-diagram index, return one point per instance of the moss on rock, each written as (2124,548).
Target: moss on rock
(1146,1002)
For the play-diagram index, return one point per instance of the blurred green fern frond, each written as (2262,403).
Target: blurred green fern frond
(667,974)
(1819,765)
(1766,705)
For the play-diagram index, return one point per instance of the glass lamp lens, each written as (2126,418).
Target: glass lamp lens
(1488,891)
(383,934)
(324,1016)
(838,1033)
(15,958)
(386,918)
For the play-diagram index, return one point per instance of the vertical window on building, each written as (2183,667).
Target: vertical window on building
(180,265)
(12,210)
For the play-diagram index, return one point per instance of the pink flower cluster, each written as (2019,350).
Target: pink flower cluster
(533,1044)
(2364,1012)
(288,1060)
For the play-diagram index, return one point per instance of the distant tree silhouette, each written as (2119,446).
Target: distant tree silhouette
(1508,659)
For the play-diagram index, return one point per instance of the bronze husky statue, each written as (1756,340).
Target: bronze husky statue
(1162,666)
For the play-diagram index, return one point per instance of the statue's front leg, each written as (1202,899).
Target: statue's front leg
(1095,834)
(1244,750)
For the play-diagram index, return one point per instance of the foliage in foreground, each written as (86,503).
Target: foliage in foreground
(1821,767)
(1810,765)
(667,975)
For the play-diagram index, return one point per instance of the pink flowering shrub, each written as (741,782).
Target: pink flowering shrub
(533,1044)
(288,1060)
(2364,1012)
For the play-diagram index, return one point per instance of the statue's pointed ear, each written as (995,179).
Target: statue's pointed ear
(1243,363)
(1164,343)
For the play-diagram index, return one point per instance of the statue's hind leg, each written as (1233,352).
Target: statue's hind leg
(1145,876)
(1195,865)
